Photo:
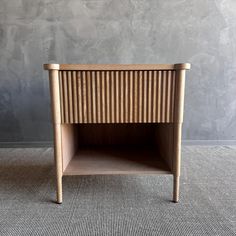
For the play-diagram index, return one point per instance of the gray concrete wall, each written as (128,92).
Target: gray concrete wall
(201,32)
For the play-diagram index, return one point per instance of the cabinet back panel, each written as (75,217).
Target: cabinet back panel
(112,134)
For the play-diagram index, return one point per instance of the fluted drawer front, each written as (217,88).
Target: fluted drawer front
(117,96)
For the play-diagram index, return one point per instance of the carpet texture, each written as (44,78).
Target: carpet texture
(118,205)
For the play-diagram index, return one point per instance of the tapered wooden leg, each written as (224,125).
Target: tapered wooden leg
(56,117)
(58,160)
(59,190)
(176,189)
(176,160)
(178,114)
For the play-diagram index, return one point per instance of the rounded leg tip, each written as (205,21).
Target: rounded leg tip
(59,201)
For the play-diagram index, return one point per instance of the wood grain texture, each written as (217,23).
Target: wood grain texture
(118,96)
(70,144)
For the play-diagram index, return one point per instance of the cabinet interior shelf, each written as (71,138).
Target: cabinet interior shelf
(116,159)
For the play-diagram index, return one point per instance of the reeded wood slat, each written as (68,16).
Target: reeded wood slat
(168,93)
(61,97)
(108,97)
(135,95)
(121,77)
(132,95)
(75,96)
(163,98)
(126,97)
(159,96)
(140,96)
(70,100)
(66,97)
(117,96)
(173,79)
(103,97)
(79,92)
(98,98)
(94,105)
(84,97)
(150,104)
(154,98)
(145,97)
(89,97)
(112,81)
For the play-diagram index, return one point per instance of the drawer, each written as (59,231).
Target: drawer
(117,96)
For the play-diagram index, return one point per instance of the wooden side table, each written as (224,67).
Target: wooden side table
(117,119)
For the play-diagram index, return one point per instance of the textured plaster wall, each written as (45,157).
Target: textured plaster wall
(201,32)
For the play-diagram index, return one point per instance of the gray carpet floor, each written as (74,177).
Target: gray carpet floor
(118,205)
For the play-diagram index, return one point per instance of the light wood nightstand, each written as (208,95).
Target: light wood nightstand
(117,119)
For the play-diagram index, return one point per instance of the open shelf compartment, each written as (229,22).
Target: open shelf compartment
(100,149)
(116,160)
